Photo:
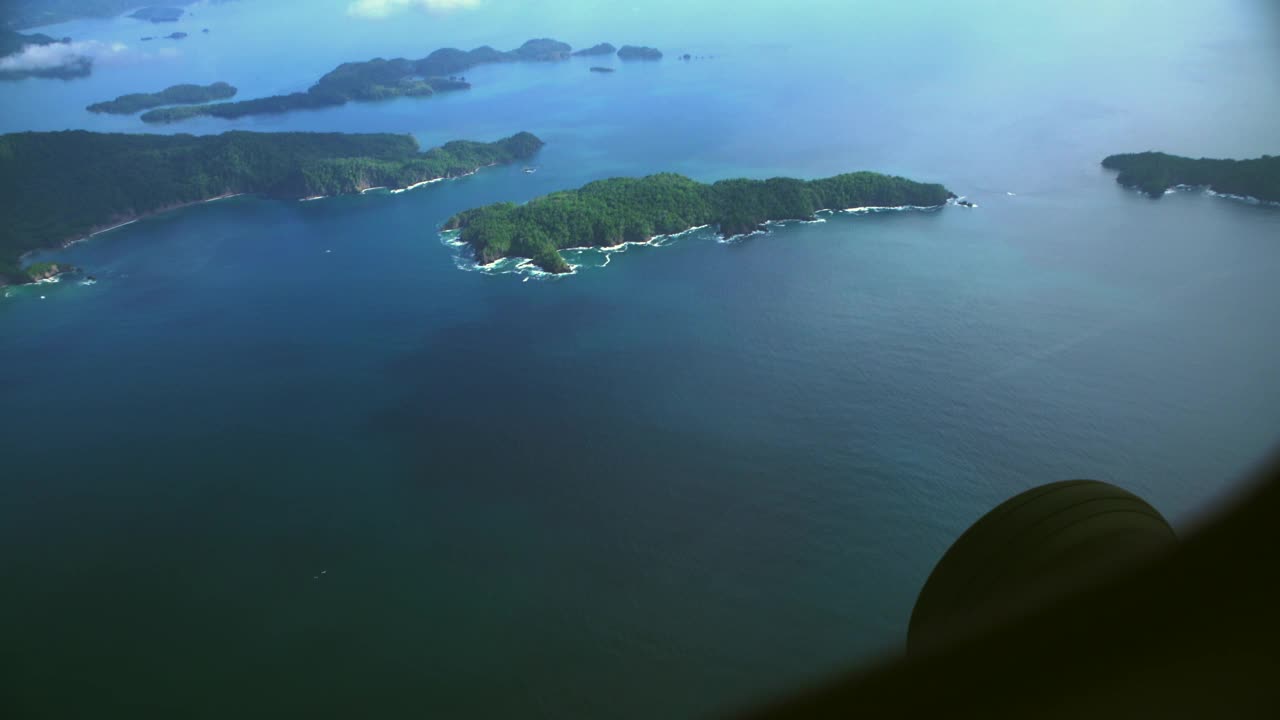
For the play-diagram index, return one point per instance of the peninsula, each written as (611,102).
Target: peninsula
(12,42)
(608,213)
(185,94)
(1154,172)
(57,187)
(33,13)
(376,79)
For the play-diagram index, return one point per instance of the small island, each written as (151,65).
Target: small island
(176,35)
(608,213)
(601,49)
(598,69)
(633,52)
(159,14)
(58,187)
(1154,172)
(184,94)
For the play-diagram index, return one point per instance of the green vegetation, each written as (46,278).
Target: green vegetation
(1154,172)
(602,70)
(377,79)
(58,186)
(185,94)
(36,272)
(632,52)
(610,212)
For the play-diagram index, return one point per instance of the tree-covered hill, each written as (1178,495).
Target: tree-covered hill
(58,186)
(610,212)
(1155,172)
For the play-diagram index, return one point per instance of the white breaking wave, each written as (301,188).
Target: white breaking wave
(464,258)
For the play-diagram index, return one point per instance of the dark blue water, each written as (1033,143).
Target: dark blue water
(288,457)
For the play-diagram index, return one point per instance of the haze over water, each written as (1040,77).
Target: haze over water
(288,458)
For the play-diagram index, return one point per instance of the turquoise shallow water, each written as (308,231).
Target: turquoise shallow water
(288,457)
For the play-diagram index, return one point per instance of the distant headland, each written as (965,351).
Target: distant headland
(58,187)
(184,94)
(609,213)
(159,14)
(381,79)
(1154,173)
(601,49)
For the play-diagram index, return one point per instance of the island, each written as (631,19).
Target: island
(376,79)
(633,52)
(602,69)
(159,14)
(176,35)
(58,187)
(601,49)
(608,213)
(184,94)
(1155,172)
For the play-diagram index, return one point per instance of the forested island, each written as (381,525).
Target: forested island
(633,52)
(608,213)
(376,79)
(1154,172)
(56,187)
(184,94)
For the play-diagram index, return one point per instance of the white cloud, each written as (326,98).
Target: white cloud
(385,8)
(34,58)
(45,59)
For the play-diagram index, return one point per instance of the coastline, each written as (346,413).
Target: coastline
(1206,190)
(122,221)
(100,229)
(449,238)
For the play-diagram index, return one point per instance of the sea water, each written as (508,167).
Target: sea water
(290,457)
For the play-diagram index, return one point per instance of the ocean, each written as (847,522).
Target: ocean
(302,458)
